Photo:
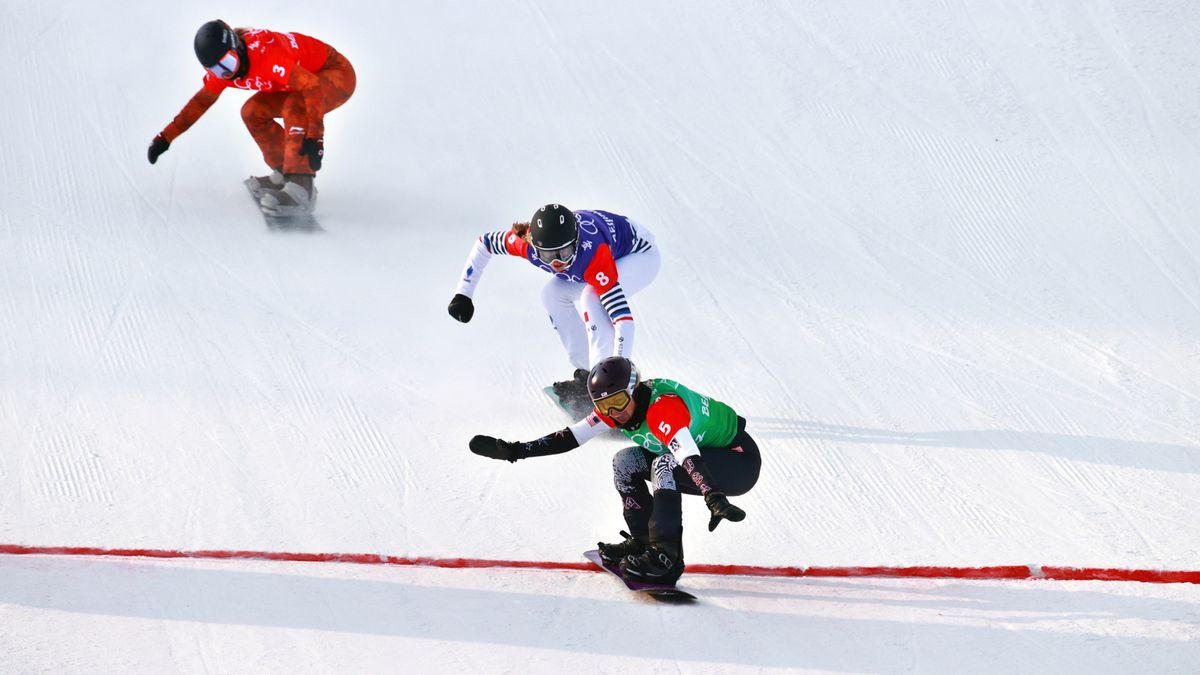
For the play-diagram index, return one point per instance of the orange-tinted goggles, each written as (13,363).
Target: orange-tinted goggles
(613,403)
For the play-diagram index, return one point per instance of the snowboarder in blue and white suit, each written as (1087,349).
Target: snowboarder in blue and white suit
(597,258)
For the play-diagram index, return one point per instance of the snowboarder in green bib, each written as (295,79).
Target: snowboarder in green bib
(686,443)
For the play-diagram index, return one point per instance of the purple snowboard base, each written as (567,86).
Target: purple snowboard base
(660,592)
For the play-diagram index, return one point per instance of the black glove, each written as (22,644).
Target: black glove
(720,508)
(461,307)
(315,149)
(157,147)
(496,448)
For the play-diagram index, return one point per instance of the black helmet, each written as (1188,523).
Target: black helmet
(611,383)
(214,40)
(553,226)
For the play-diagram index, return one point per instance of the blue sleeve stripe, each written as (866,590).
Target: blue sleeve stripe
(613,293)
(619,302)
(494,243)
(615,304)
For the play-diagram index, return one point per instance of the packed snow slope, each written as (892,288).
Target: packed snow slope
(943,257)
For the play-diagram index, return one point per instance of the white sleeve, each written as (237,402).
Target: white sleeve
(473,270)
(588,428)
(683,445)
(623,338)
(616,305)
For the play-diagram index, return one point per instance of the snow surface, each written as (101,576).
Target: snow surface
(942,256)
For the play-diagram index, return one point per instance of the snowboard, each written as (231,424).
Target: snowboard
(303,222)
(661,592)
(576,407)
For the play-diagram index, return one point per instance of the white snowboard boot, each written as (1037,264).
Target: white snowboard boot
(297,197)
(257,185)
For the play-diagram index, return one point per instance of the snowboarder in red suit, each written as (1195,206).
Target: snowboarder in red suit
(297,78)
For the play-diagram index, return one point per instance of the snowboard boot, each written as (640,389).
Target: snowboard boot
(257,185)
(613,554)
(661,563)
(576,387)
(296,197)
(720,508)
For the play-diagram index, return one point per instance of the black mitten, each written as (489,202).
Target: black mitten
(461,307)
(720,508)
(496,448)
(315,149)
(157,147)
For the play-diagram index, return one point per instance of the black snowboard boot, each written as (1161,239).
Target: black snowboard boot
(661,563)
(612,554)
(576,387)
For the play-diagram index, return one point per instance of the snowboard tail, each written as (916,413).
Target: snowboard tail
(577,407)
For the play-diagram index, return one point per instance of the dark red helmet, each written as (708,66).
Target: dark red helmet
(611,383)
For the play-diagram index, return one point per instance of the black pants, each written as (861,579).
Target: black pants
(732,469)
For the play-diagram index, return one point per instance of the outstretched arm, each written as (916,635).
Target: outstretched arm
(199,104)
(509,242)
(477,260)
(551,444)
(556,443)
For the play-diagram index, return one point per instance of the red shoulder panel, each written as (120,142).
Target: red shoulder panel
(666,416)
(601,273)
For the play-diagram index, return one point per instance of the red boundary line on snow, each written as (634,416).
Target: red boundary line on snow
(924,572)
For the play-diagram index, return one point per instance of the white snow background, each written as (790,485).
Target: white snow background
(942,255)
